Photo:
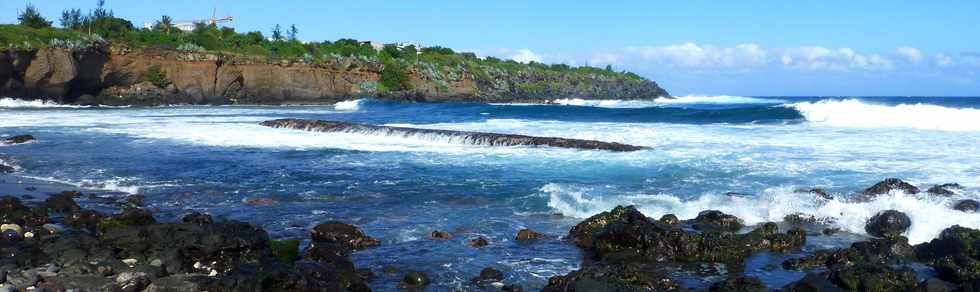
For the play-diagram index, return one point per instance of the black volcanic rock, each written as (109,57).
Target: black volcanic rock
(716,220)
(739,284)
(18,139)
(888,185)
(944,189)
(477,138)
(967,205)
(888,224)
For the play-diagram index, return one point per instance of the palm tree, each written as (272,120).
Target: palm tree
(165,23)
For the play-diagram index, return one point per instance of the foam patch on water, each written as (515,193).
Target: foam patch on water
(690,99)
(37,103)
(929,214)
(349,105)
(859,114)
(118,184)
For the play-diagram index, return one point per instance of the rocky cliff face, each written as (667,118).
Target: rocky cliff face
(114,75)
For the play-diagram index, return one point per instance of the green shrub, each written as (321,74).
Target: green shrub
(394,76)
(157,77)
(33,19)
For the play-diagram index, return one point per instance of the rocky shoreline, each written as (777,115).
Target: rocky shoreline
(475,138)
(57,245)
(119,76)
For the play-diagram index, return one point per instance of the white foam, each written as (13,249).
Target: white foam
(606,103)
(349,105)
(118,184)
(37,103)
(718,99)
(858,114)
(929,214)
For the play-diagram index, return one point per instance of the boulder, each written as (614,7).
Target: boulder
(528,234)
(967,205)
(414,280)
(18,139)
(739,284)
(716,220)
(630,277)
(888,224)
(440,235)
(198,218)
(488,275)
(337,238)
(887,186)
(944,189)
(478,242)
(63,202)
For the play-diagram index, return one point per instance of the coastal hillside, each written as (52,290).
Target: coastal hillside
(101,59)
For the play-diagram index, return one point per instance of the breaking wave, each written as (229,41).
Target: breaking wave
(690,99)
(348,105)
(37,103)
(930,214)
(859,114)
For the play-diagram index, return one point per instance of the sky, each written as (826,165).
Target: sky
(750,48)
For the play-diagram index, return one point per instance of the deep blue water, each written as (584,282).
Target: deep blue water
(399,189)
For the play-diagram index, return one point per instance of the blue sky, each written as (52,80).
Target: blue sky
(689,47)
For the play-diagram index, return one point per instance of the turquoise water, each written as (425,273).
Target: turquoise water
(399,189)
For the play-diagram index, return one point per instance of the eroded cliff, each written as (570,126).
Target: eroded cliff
(119,75)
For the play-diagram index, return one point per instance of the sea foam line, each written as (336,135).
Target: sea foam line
(859,114)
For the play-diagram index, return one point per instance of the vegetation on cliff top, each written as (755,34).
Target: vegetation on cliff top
(433,63)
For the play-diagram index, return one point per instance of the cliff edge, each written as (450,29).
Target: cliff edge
(118,75)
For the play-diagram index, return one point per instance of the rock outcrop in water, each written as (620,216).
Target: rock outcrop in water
(475,138)
(123,76)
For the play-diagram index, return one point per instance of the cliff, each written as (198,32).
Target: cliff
(115,75)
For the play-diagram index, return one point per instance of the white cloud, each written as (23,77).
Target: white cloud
(944,60)
(525,56)
(690,55)
(913,55)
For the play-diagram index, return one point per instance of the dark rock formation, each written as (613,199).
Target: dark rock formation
(478,242)
(955,254)
(967,205)
(944,189)
(118,76)
(528,234)
(18,139)
(875,265)
(627,251)
(739,284)
(886,186)
(716,220)
(488,275)
(888,224)
(820,193)
(337,239)
(476,138)
(440,235)
(414,280)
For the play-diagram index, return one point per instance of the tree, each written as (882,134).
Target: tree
(100,11)
(31,18)
(277,33)
(71,19)
(165,24)
(292,32)
(609,68)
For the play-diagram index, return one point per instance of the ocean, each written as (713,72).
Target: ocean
(746,156)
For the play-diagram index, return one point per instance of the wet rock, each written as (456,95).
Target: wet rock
(935,285)
(63,202)
(716,220)
(818,192)
(128,217)
(84,219)
(944,189)
(440,235)
(888,224)
(488,275)
(528,234)
(967,205)
(286,250)
(512,288)
(800,219)
(132,281)
(414,280)
(887,186)
(135,200)
(812,283)
(475,137)
(878,251)
(624,235)
(198,218)
(18,139)
(260,202)
(4,168)
(631,277)
(478,242)
(337,238)
(739,284)
(830,231)
(954,254)
(13,211)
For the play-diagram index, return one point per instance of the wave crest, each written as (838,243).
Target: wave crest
(690,99)
(348,105)
(859,114)
(37,103)
(930,214)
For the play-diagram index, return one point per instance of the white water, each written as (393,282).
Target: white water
(859,114)
(690,99)
(929,214)
(348,105)
(19,103)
